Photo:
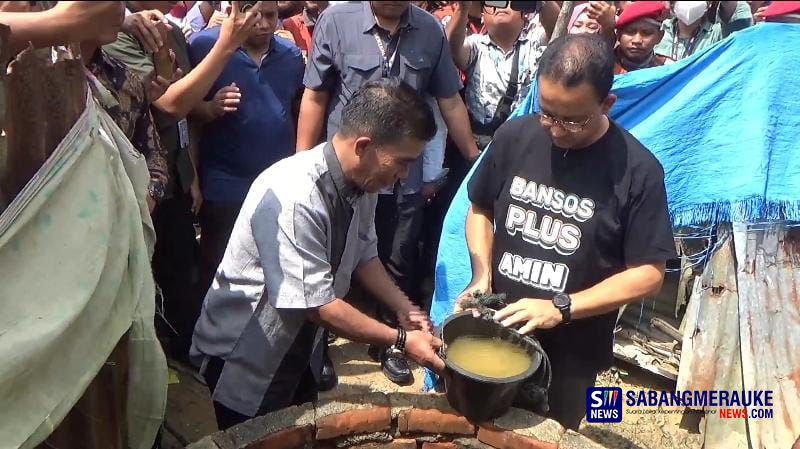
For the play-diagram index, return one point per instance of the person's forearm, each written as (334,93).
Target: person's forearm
(455,116)
(376,281)
(618,290)
(609,34)
(348,322)
(42,29)
(480,238)
(548,17)
(312,116)
(203,112)
(186,93)
(456,31)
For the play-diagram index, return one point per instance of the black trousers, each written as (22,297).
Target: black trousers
(398,223)
(216,224)
(307,391)
(175,269)
(567,394)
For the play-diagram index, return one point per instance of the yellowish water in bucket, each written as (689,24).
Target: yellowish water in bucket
(488,357)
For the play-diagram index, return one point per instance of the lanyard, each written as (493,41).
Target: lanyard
(388,60)
(689,50)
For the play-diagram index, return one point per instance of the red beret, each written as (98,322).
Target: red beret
(776,9)
(641,10)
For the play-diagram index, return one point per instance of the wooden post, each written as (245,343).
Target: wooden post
(563,19)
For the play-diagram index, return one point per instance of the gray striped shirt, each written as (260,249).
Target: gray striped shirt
(301,233)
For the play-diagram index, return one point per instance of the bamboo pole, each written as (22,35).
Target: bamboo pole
(563,19)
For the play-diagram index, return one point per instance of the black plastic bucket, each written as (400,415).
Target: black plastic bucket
(476,397)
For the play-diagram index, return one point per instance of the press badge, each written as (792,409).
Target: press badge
(183,133)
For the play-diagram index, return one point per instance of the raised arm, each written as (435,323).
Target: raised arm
(457,34)
(189,91)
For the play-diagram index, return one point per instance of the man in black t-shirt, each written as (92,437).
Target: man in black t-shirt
(569,218)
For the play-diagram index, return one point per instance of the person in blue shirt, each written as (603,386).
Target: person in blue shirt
(249,124)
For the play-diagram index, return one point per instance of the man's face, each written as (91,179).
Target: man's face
(385,165)
(579,104)
(266,25)
(316,8)
(500,19)
(392,10)
(164,7)
(638,39)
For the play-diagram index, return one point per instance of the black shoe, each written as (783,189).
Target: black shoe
(328,380)
(396,369)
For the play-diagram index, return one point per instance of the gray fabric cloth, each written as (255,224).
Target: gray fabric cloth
(346,55)
(278,263)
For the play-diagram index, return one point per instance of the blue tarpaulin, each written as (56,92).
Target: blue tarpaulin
(723,123)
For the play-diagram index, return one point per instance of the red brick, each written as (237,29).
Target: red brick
(396,444)
(289,438)
(440,446)
(505,439)
(373,419)
(434,421)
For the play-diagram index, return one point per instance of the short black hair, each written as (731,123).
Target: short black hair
(387,111)
(578,58)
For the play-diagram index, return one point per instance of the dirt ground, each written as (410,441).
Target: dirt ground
(646,431)
(190,416)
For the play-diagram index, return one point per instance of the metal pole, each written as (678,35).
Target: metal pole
(563,19)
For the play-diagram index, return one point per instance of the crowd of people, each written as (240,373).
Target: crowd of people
(315,145)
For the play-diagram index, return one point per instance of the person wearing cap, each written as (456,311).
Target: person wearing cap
(691,30)
(638,31)
(786,12)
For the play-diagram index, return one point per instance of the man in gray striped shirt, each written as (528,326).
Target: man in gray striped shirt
(305,229)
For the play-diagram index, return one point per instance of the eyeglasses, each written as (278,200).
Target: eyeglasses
(573,127)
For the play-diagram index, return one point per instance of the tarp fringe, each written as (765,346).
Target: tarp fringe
(748,210)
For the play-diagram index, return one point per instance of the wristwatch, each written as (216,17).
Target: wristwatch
(563,303)
(156,190)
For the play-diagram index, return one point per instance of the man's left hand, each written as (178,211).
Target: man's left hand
(537,313)
(197,196)
(151,204)
(415,318)
(429,190)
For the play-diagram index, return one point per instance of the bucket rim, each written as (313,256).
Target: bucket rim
(504,380)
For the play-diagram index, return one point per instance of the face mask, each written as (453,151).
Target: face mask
(689,12)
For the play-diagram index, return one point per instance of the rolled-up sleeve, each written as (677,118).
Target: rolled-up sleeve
(291,240)
(445,80)
(321,69)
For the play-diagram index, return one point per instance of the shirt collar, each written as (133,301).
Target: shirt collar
(631,66)
(486,40)
(368,23)
(275,48)
(346,190)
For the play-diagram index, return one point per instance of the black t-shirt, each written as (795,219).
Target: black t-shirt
(567,220)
